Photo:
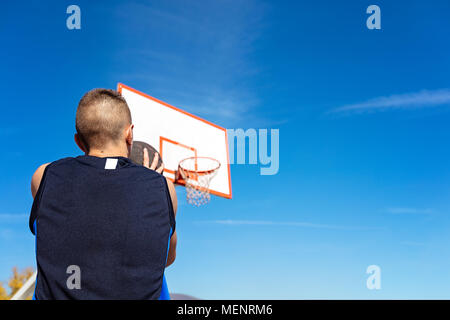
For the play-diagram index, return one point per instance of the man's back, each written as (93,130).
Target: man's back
(109,218)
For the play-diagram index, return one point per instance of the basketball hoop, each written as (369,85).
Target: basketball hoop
(197,173)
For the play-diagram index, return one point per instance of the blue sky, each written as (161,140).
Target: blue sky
(363,118)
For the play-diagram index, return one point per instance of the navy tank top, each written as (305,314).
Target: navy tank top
(109,218)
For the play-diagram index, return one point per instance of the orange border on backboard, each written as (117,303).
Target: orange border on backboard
(120,86)
(162,139)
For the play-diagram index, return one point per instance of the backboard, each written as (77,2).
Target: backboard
(177,135)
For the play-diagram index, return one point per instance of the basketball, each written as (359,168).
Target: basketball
(137,153)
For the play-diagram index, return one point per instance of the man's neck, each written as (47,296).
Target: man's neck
(108,153)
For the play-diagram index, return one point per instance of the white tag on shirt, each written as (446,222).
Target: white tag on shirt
(111,164)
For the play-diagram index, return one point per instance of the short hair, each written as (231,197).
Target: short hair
(102,115)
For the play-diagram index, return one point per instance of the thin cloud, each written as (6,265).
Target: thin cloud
(412,243)
(421,99)
(286,224)
(409,211)
(13,217)
(6,234)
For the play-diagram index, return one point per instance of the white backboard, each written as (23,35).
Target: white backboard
(177,135)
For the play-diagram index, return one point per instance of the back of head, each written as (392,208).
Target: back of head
(102,116)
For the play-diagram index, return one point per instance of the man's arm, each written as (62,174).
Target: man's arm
(36,179)
(173,241)
(173,196)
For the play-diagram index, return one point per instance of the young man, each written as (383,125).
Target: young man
(105,227)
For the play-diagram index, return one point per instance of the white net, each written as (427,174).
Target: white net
(197,173)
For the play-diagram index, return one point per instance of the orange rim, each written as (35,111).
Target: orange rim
(194,173)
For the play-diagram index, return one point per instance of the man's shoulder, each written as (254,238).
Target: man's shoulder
(54,164)
(40,171)
(61,161)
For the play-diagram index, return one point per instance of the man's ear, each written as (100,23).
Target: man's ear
(129,134)
(80,143)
